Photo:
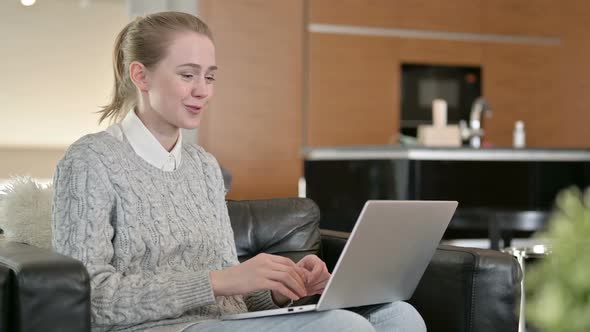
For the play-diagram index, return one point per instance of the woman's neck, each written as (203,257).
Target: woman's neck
(164,132)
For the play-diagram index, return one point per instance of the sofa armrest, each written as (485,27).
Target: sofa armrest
(462,289)
(469,289)
(45,291)
(4,298)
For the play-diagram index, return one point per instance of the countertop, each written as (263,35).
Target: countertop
(381,152)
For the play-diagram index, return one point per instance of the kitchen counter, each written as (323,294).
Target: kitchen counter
(380,152)
(341,179)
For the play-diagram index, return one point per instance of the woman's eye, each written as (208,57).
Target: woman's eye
(210,78)
(187,76)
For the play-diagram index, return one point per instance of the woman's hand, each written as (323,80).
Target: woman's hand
(317,274)
(279,274)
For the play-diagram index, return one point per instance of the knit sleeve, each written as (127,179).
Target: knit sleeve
(83,210)
(255,301)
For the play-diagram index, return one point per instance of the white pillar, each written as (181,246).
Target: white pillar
(142,7)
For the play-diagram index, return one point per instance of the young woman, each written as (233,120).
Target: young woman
(146,213)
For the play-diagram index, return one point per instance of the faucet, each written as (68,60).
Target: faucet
(475,131)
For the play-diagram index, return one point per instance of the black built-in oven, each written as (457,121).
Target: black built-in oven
(422,83)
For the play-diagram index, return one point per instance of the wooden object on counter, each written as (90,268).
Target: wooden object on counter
(447,136)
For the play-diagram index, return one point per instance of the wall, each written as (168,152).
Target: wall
(253,126)
(354,79)
(532,55)
(573,117)
(56,72)
(56,69)
(281,87)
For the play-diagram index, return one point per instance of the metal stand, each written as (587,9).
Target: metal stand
(522,253)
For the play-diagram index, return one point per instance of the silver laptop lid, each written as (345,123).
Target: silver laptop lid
(387,252)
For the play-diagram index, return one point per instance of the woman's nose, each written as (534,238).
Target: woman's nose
(200,88)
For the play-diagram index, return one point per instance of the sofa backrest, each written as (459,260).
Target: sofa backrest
(287,226)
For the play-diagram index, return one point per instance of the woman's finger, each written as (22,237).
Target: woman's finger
(318,287)
(320,284)
(289,281)
(318,269)
(282,289)
(318,291)
(308,262)
(288,265)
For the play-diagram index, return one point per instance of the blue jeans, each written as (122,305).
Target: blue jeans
(397,316)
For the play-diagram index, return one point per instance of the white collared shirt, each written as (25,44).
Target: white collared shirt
(145,144)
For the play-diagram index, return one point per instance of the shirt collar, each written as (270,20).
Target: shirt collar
(145,144)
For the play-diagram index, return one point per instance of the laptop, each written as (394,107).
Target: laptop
(384,258)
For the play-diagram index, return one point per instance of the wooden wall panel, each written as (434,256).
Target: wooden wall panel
(253,126)
(455,15)
(353,90)
(521,83)
(574,75)
(522,17)
(354,84)
(441,52)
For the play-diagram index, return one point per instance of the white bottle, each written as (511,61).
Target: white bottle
(519,137)
(439,113)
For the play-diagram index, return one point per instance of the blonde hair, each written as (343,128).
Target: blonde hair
(145,40)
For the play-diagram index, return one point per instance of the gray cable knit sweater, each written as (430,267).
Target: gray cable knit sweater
(148,238)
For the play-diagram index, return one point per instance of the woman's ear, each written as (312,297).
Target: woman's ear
(138,75)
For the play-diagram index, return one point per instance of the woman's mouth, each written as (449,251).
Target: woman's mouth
(193,109)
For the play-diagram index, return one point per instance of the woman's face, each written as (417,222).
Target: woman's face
(181,84)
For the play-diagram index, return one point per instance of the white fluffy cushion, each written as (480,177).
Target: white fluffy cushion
(25,212)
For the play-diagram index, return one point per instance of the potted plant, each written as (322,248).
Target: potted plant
(558,287)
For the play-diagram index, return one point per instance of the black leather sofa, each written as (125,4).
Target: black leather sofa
(463,289)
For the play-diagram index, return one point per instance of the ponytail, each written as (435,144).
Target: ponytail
(121,89)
